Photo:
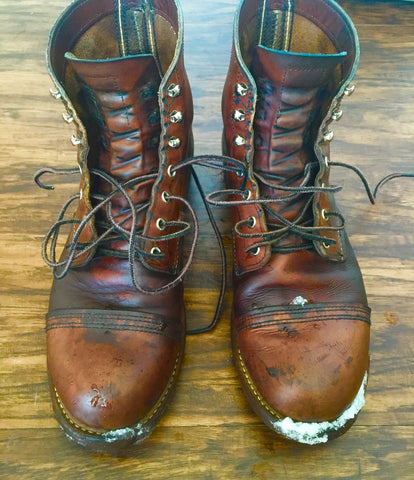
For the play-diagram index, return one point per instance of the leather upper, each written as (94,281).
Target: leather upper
(300,323)
(114,351)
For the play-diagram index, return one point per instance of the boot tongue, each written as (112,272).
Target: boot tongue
(292,89)
(113,74)
(295,70)
(290,93)
(119,99)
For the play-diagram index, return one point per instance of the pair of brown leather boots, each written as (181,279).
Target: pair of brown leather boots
(116,323)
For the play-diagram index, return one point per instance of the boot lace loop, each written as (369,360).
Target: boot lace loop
(300,225)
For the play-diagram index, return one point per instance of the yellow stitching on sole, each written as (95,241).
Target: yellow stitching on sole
(254,390)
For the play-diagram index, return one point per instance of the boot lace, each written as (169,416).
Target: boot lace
(116,230)
(302,224)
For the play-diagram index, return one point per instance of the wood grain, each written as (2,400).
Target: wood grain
(209,431)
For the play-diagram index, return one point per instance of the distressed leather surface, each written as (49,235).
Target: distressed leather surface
(300,324)
(114,352)
(110,367)
(309,362)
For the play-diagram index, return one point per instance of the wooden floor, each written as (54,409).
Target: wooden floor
(209,431)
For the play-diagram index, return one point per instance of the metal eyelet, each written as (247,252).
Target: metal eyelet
(169,172)
(241,89)
(239,141)
(67,117)
(350,90)
(173,90)
(336,115)
(155,250)
(328,136)
(174,142)
(165,197)
(239,115)
(256,251)
(324,214)
(176,116)
(326,245)
(252,222)
(160,224)
(75,140)
(247,194)
(55,94)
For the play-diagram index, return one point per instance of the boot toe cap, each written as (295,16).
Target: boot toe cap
(105,376)
(306,367)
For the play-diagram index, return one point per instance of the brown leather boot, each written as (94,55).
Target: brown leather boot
(300,325)
(116,322)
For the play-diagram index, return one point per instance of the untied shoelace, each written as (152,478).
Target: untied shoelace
(133,236)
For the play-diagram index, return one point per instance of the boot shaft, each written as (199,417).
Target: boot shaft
(118,68)
(291,65)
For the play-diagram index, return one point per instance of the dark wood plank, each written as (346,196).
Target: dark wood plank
(213,453)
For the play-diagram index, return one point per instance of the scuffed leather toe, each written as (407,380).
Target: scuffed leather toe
(303,362)
(110,369)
